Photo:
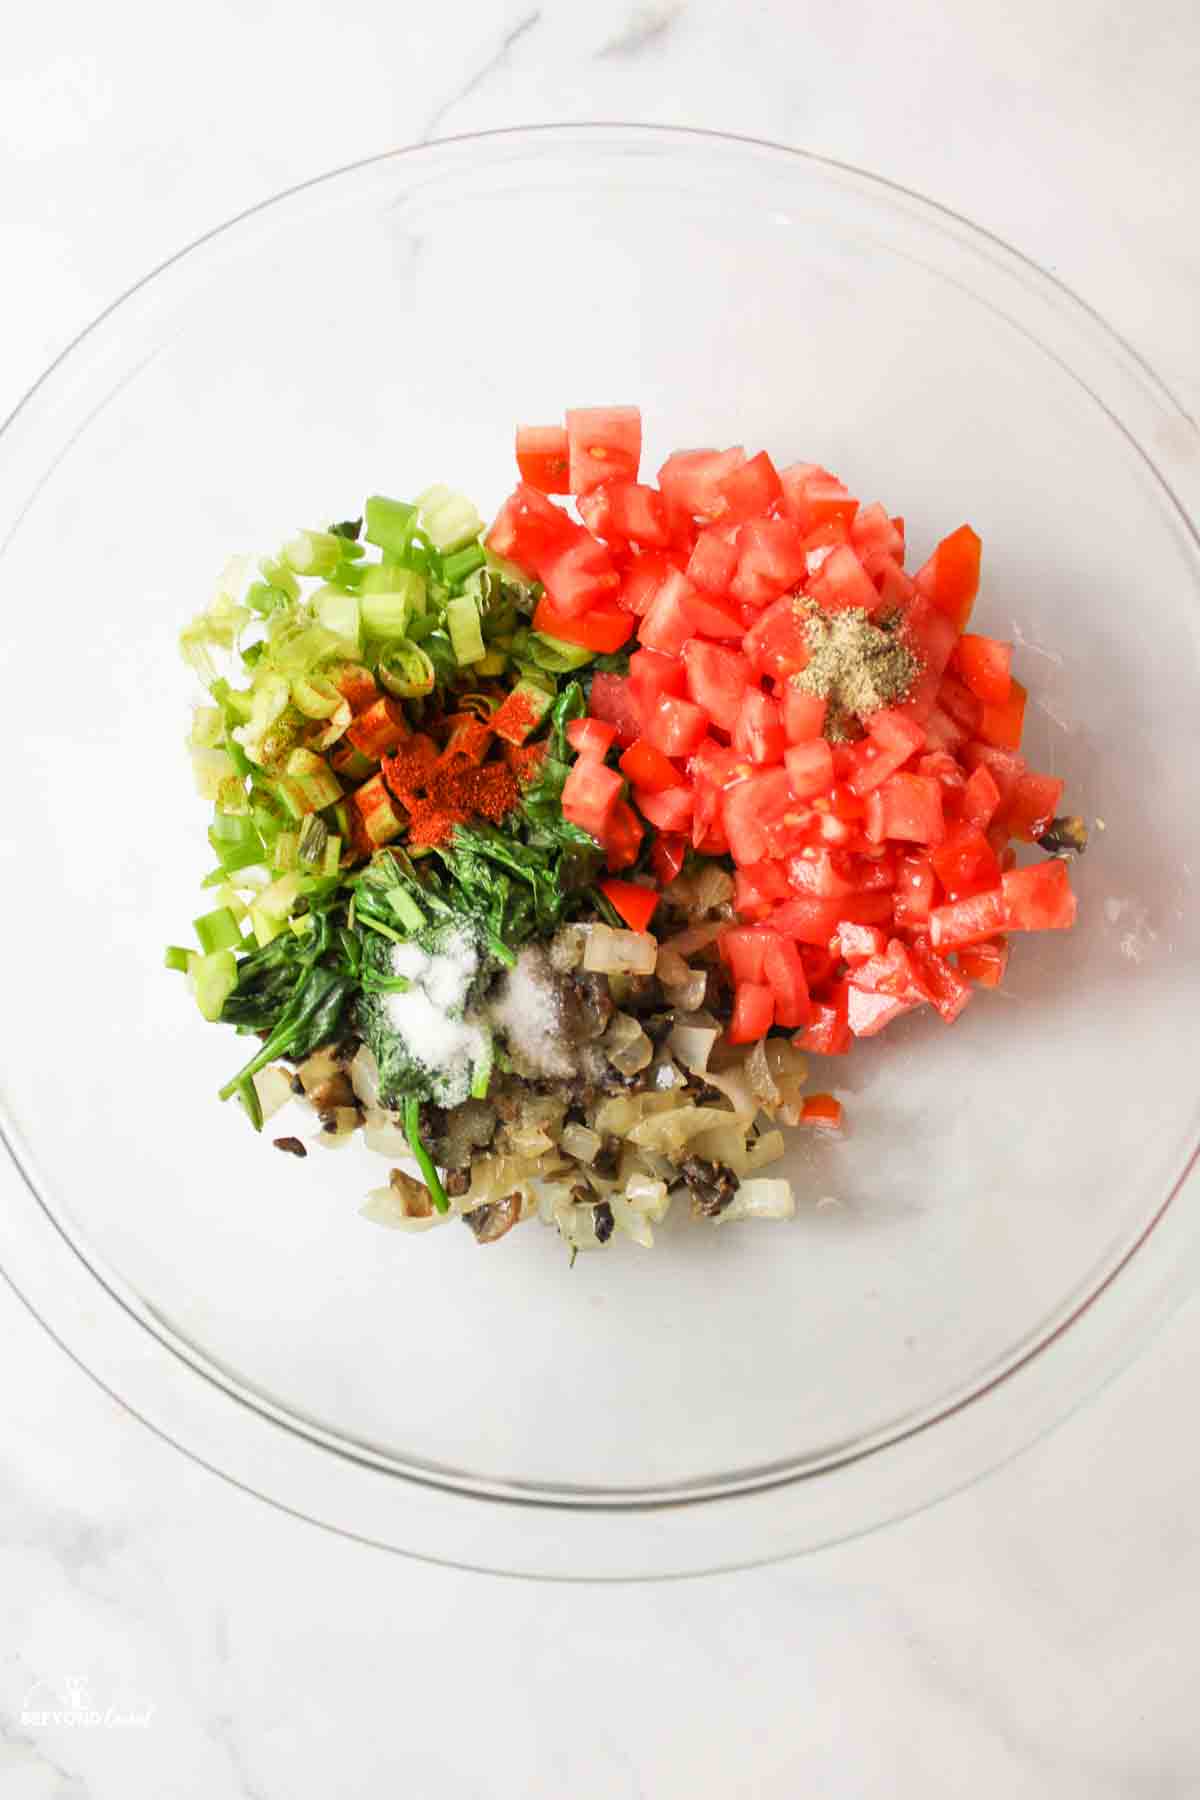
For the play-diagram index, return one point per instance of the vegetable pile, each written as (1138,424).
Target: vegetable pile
(799,704)
(457,778)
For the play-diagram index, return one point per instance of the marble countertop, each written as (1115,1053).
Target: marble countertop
(1032,1637)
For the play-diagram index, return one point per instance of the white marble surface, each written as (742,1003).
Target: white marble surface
(1035,1637)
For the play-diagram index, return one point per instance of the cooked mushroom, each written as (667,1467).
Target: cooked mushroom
(712,1185)
(492,1222)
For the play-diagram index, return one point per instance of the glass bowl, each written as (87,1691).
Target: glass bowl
(1006,1217)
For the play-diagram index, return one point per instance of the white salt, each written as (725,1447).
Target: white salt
(528,1010)
(428,1015)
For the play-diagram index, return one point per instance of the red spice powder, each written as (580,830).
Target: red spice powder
(448,791)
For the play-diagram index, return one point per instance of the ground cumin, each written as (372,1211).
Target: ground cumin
(856,665)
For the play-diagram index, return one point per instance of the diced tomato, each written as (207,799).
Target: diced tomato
(528,526)
(907,807)
(674,726)
(758,887)
(813,921)
(708,615)
(604,444)
(812,496)
(873,533)
(810,768)
(783,972)
(743,950)
(636,904)
(749,810)
(894,587)
(964,707)
(758,732)
(577,572)
(824,872)
(827,1032)
(868,1012)
(714,560)
(857,943)
(642,581)
(944,732)
(652,674)
(667,854)
(542,457)
(668,809)
(916,885)
(1039,898)
(967,921)
(951,576)
(589,737)
(590,793)
(821,966)
(943,767)
(713,768)
(614,699)
(1032,805)
(770,559)
(749,490)
(604,627)
(892,738)
(753,1012)
(626,512)
(803,714)
(668,624)
(965,863)
(841,583)
(822,1111)
(623,837)
(777,644)
(691,479)
(820,543)
(947,988)
(1004,766)
(1003,725)
(985,664)
(985,963)
(646,767)
(379,729)
(717,678)
(981,797)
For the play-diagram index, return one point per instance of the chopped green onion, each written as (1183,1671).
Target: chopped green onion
(389,524)
(314,835)
(462,620)
(555,655)
(177,958)
(315,779)
(286,852)
(405,671)
(493,663)
(461,563)
(332,860)
(386,615)
(406,909)
(208,728)
(213,978)
(313,553)
(338,612)
(217,930)
(236,842)
(412,1131)
(277,574)
(448,519)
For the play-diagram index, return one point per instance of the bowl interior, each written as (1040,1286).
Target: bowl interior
(388,331)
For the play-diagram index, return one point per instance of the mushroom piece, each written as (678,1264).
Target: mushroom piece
(494,1220)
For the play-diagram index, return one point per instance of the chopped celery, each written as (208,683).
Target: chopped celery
(217,930)
(448,519)
(313,553)
(462,621)
(462,563)
(405,671)
(389,524)
(338,612)
(212,979)
(177,958)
